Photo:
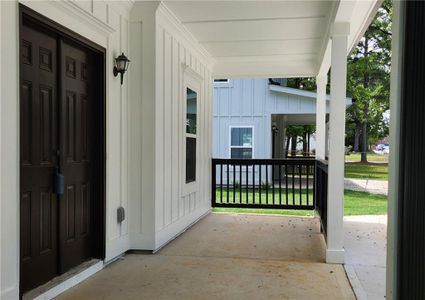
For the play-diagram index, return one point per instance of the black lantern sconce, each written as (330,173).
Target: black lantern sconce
(121,66)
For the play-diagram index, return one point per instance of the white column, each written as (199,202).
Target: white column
(321,81)
(393,176)
(335,230)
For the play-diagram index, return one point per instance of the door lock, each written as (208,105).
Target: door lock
(58,182)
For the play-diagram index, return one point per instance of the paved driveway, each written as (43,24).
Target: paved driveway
(366,185)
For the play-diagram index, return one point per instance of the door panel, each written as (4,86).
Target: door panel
(61,126)
(38,121)
(78,124)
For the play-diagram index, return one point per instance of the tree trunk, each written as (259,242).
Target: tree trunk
(288,140)
(294,145)
(308,143)
(364,143)
(357,133)
(366,108)
(304,143)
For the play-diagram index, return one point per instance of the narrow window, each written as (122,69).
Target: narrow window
(191,123)
(241,142)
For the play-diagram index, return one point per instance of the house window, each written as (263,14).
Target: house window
(222,83)
(241,142)
(191,123)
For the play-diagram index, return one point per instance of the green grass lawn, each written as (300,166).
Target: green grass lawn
(361,203)
(371,157)
(355,203)
(266,198)
(377,171)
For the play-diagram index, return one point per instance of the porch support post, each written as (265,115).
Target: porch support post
(335,230)
(321,81)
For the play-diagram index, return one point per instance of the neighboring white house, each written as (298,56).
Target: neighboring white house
(250,113)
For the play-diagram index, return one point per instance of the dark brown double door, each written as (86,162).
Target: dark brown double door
(60,133)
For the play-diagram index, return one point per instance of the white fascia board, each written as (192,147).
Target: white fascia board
(307,94)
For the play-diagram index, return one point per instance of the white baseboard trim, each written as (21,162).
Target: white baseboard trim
(335,256)
(11,293)
(175,229)
(70,282)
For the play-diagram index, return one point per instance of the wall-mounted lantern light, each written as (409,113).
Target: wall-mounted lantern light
(121,66)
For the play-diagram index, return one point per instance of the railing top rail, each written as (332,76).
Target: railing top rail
(322,164)
(322,161)
(257,161)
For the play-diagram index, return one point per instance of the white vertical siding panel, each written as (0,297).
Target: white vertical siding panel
(210,122)
(204,153)
(207,136)
(124,128)
(216,102)
(223,102)
(159,124)
(280,103)
(188,58)
(182,59)
(114,132)
(247,96)
(293,104)
(168,147)
(235,99)
(216,137)
(258,96)
(175,116)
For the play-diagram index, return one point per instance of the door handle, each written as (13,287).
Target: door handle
(58,182)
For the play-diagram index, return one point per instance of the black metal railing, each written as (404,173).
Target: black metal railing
(264,183)
(322,192)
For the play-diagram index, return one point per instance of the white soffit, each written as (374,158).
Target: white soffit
(265,38)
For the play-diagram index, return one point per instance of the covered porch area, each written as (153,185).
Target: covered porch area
(227,256)
(158,164)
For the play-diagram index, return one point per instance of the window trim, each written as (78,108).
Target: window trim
(193,81)
(240,147)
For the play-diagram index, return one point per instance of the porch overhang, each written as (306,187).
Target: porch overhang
(302,93)
(271,38)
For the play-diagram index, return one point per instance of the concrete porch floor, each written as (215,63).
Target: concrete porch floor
(227,256)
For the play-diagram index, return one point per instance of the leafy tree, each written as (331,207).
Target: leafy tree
(368,80)
(296,134)
(292,134)
(368,83)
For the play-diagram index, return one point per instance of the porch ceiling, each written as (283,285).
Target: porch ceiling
(270,38)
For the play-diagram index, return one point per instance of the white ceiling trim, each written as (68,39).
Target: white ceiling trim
(260,38)
(254,20)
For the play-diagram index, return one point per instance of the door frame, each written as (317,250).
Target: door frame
(44,24)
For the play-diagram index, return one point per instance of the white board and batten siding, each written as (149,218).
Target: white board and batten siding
(178,63)
(250,102)
(161,206)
